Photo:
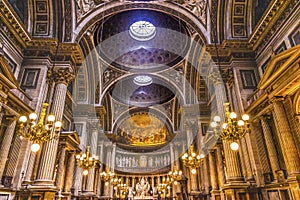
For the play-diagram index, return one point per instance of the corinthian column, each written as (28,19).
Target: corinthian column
(6,143)
(286,140)
(233,169)
(62,78)
(270,147)
(288,146)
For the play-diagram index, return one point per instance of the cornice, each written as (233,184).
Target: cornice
(49,45)
(270,22)
(8,16)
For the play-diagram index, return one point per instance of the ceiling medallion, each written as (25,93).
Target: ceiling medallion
(142,80)
(142,31)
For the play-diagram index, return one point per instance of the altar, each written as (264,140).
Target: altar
(146,197)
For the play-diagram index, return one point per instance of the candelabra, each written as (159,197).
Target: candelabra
(86,161)
(39,132)
(109,176)
(192,160)
(123,188)
(233,129)
(175,175)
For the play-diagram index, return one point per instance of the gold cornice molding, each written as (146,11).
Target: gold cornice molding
(8,16)
(275,10)
(16,27)
(281,78)
(228,47)
(56,48)
(291,55)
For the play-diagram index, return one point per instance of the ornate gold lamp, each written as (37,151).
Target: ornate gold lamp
(233,129)
(38,132)
(122,188)
(109,176)
(175,175)
(86,161)
(192,160)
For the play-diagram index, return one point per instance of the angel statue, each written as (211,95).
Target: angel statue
(142,188)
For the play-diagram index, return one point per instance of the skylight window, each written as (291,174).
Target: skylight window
(142,31)
(142,80)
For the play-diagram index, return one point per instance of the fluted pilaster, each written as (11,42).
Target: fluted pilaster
(270,147)
(287,142)
(30,167)
(6,143)
(248,169)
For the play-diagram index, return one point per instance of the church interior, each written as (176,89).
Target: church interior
(150,99)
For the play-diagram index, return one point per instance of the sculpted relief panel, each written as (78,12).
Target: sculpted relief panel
(198,7)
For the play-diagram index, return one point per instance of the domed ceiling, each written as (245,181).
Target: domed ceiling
(129,92)
(142,40)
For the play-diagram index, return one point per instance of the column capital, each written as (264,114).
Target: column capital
(276,99)
(94,124)
(60,75)
(215,77)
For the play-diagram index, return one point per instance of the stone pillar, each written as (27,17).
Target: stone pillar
(6,143)
(206,174)
(113,157)
(62,78)
(93,142)
(270,147)
(70,172)
(287,143)
(288,146)
(30,167)
(221,173)
(77,182)
(248,169)
(213,171)
(61,169)
(172,158)
(233,169)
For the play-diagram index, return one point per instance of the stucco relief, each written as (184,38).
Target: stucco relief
(197,7)
(84,6)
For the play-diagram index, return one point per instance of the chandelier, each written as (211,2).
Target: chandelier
(192,160)
(175,175)
(38,132)
(109,176)
(233,129)
(86,161)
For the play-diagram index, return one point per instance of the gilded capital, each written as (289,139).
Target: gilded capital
(60,75)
